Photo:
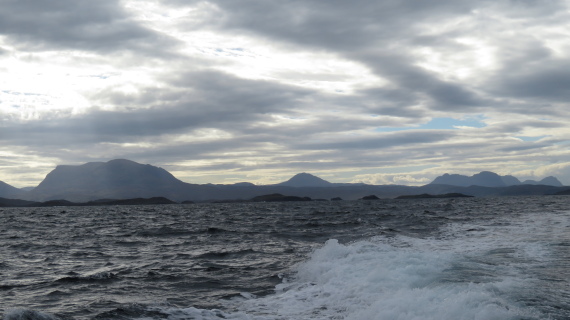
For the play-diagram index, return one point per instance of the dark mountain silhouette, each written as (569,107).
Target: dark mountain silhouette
(125,179)
(434,196)
(305,180)
(565,192)
(102,202)
(15,203)
(277,197)
(490,179)
(453,180)
(243,184)
(484,178)
(114,179)
(487,179)
(548,181)
(8,191)
(510,180)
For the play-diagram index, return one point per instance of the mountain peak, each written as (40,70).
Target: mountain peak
(548,181)
(7,190)
(551,181)
(305,180)
(489,179)
(483,178)
(122,177)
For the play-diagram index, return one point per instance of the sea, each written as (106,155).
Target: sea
(462,258)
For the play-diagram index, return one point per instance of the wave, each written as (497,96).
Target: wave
(472,272)
(95,277)
(27,314)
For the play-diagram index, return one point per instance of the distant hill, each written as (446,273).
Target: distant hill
(510,180)
(490,179)
(277,197)
(548,181)
(14,203)
(565,192)
(119,178)
(65,203)
(125,179)
(8,191)
(305,180)
(434,196)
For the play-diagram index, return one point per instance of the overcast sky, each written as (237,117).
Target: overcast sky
(375,91)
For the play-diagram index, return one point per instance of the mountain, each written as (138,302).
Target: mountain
(453,180)
(490,179)
(305,180)
(8,191)
(14,203)
(510,180)
(125,179)
(114,179)
(487,179)
(548,181)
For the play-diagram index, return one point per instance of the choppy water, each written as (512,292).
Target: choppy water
(476,258)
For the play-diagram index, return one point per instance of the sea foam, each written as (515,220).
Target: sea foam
(372,279)
(27,314)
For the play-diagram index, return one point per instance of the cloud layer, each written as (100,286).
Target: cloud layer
(249,90)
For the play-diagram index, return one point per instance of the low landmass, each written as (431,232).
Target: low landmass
(491,179)
(126,179)
(277,197)
(563,193)
(436,196)
(102,202)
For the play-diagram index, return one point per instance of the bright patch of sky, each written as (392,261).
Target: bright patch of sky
(531,139)
(442,124)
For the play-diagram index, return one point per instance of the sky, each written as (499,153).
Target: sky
(373,91)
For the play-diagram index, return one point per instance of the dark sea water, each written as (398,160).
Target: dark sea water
(475,258)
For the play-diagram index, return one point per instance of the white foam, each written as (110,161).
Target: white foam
(475,272)
(367,280)
(27,314)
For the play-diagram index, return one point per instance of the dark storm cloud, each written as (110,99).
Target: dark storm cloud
(100,25)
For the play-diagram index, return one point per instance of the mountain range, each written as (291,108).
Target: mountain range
(491,179)
(125,179)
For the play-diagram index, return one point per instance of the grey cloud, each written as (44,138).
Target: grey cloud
(191,101)
(548,81)
(334,24)
(383,34)
(421,84)
(377,33)
(524,147)
(514,127)
(381,140)
(396,102)
(100,25)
